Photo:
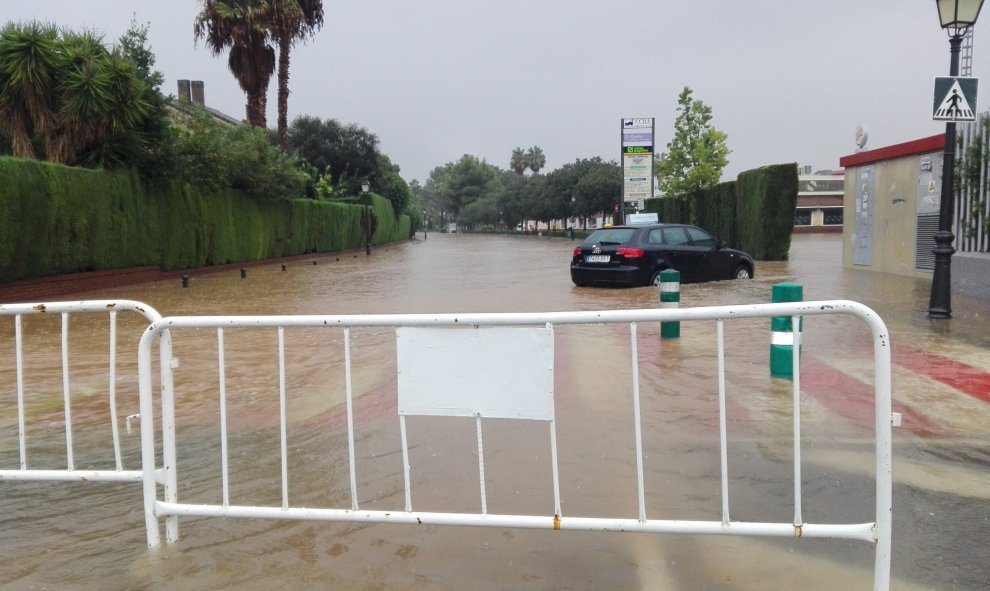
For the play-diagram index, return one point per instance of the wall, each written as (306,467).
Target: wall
(47,289)
(893,185)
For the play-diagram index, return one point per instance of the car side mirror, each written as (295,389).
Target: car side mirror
(721,244)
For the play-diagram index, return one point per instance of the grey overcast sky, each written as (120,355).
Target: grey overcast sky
(435,79)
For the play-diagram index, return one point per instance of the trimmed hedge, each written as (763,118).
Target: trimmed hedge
(767,198)
(754,213)
(56,220)
(716,211)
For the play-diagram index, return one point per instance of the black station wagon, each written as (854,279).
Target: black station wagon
(635,255)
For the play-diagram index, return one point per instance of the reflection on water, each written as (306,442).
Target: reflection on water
(91,536)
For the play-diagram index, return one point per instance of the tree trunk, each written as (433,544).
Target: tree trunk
(283,94)
(256,109)
(20,138)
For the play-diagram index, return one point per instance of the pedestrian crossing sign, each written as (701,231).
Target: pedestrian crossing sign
(955,99)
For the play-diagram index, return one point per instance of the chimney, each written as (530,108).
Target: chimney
(197,93)
(184,91)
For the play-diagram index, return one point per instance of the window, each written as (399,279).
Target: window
(802,217)
(674,237)
(700,237)
(833,216)
(610,236)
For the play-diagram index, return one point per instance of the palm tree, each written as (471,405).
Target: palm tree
(118,134)
(518,161)
(535,159)
(291,20)
(27,80)
(242,26)
(99,97)
(65,95)
(85,97)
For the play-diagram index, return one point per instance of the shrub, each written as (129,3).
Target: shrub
(213,156)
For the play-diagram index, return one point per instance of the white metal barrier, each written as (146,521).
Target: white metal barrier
(524,340)
(67,310)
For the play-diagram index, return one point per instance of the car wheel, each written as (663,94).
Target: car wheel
(742,272)
(655,280)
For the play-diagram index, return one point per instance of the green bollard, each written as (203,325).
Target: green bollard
(782,332)
(670,297)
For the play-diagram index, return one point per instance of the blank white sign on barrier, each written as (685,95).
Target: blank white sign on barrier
(491,372)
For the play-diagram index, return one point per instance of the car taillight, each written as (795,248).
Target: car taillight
(577,251)
(630,253)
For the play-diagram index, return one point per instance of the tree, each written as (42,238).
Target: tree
(558,194)
(133,47)
(292,20)
(599,188)
(347,152)
(481,212)
(581,188)
(535,159)
(65,95)
(390,185)
(431,192)
(28,66)
(696,155)
(241,26)
(511,197)
(84,114)
(458,184)
(146,146)
(518,161)
(537,202)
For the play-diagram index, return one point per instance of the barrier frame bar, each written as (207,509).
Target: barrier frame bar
(877,532)
(66,310)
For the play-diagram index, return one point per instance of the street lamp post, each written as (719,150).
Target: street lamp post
(955,16)
(574,215)
(365,187)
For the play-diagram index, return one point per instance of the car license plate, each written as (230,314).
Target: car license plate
(596,258)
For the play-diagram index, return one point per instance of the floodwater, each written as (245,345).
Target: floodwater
(91,535)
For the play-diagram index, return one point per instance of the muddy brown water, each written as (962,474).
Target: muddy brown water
(91,535)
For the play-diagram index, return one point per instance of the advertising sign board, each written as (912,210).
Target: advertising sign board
(637,158)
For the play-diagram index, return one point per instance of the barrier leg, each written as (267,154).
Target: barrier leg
(782,331)
(670,297)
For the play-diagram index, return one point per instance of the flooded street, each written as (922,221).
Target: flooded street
(90,536)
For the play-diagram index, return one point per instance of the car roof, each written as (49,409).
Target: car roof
(639,226)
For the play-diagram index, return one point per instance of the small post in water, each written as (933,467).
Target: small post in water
(670,297)
(782,331)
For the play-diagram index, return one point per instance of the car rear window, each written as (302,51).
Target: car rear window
(610,236)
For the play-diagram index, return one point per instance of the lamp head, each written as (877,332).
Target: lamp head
(958,15)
